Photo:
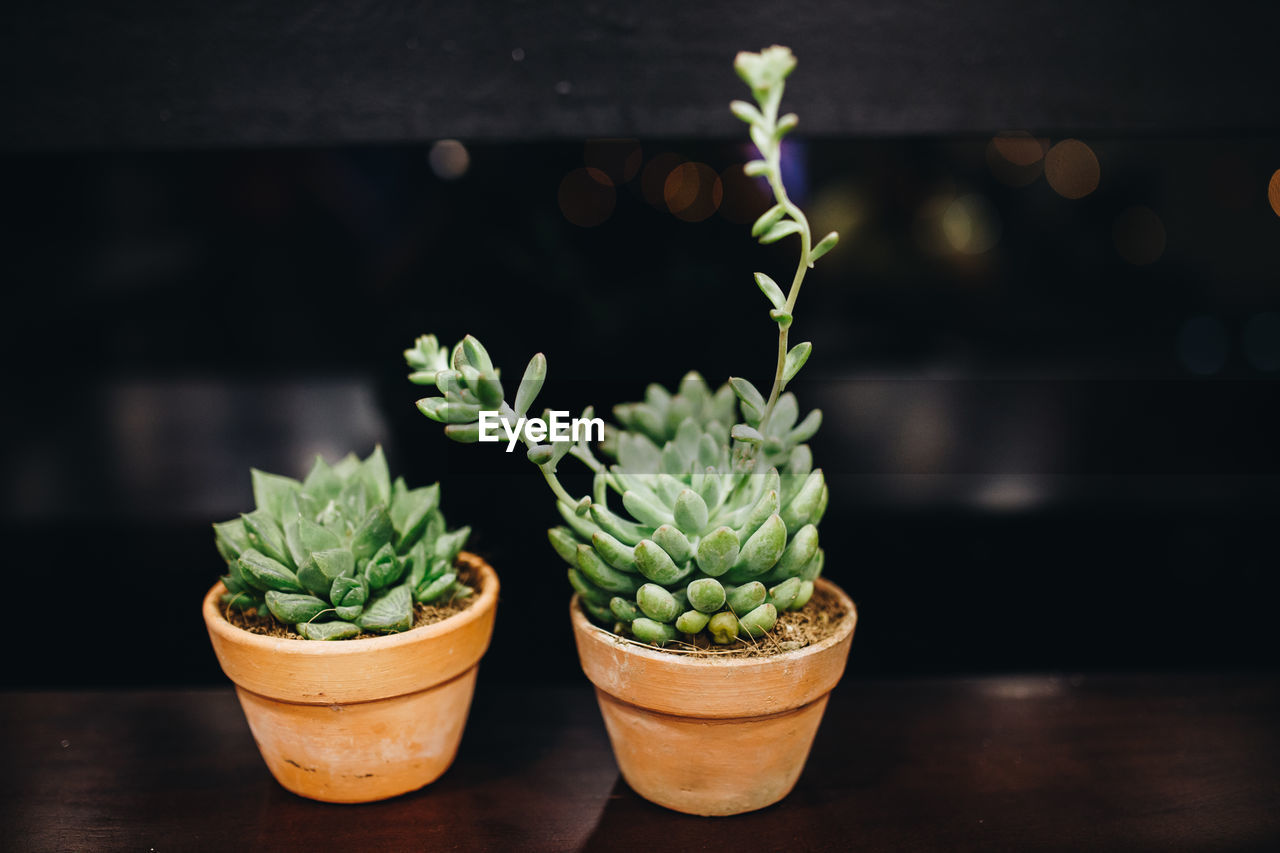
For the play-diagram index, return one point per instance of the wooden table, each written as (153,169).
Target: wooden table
(1153,762)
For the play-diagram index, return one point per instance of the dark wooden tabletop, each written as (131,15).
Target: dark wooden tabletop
(1036,763)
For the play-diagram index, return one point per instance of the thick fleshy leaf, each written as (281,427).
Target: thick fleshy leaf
(231,539)
(349,595)
(692,621)
(621,557)
(432,591)
(758,622)
(269,491)
(531,383)
(587,590)
(291,608)
(322,484)
(336,630)
(747,392)
(746,112)
(645,510)
(796,514)
(265,535)
(658,604)
(346,467)
(764,547)
(675,543)
(770,289)
(390,613)
(410,511)
(374,531)
(377,478)
(690,512)
(655,633)
(747,597)
(314,538)
(604,576)
(706,595)
(624,531)
(656,564)
(718,551)
(264,573)
(625,611)
(448,545)
(383,568)
(826,244)
(780,230)
(796,358)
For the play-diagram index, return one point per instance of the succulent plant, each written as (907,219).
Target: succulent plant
(343,552)
(714,526)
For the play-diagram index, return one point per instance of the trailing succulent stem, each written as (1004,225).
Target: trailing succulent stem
(697,523)
(343,552)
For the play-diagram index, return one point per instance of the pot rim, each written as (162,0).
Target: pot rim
(483,604)
(587,629)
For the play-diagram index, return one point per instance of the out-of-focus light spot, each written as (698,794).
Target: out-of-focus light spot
(1009,173)
(1262,341)
(842,208)
(517,54)
(618,158)
(1139,236)
(927,226)
(586,197)
(970,225)
(653,179)
(1019,148)
(1273,192)
(564,87)
(1009,493)
(1203,345)
(745,198)
(449,159)
(692,191)
(1071,168)
(1023,688)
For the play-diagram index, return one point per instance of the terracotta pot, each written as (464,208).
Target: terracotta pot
(350,721)
(711,735)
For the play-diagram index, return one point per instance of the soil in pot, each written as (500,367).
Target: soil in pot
(710,734)
(358,720)
(257,622)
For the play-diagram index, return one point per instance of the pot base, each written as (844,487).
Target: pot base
(364,751)
(710,768)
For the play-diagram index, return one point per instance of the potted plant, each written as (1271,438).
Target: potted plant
(352,624)
(699,612)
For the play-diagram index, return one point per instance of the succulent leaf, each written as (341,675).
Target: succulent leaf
(432,591)
(675,543)
(718,551)
(745,598)
(655,633)
(291,608)
(692,621)
(390,613)
(706,595)
(758,622)
(335,630)
(264,573)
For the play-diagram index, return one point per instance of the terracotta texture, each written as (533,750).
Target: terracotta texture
(708,735)
(350,721)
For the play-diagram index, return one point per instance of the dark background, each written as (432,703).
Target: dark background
(218,236)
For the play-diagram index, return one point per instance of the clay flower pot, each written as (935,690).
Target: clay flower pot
(711,735)
(350,721)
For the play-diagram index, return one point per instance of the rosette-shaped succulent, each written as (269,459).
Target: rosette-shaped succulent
(342,552)
(715,500)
